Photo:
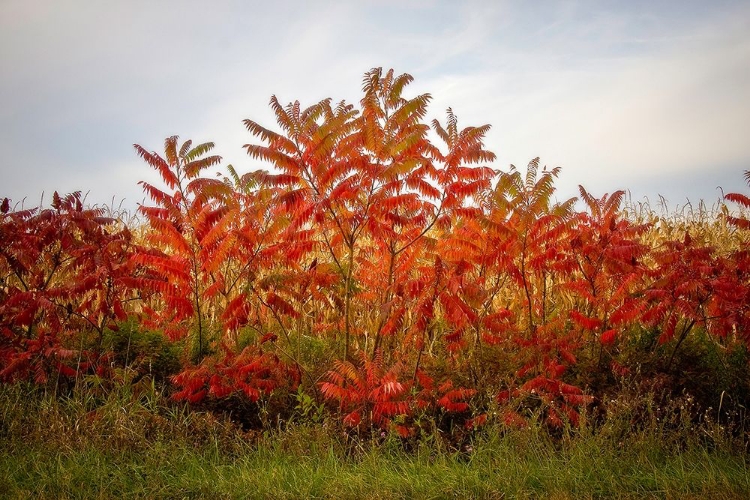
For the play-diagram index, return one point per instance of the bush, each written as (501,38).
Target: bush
(147,352)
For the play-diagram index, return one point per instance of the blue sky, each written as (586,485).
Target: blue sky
(648,96)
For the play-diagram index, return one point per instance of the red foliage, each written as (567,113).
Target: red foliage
(66,273)
(375,396)
(252,373)
(183,222)
(693,286)
(367,390)
(413,263)
(740,221)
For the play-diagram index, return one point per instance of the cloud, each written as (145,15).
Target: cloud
(649,119)
(642,95)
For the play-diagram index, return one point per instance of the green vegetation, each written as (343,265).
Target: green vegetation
(497,471)
(140,445)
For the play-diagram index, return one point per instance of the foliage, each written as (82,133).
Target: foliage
(175,257)
(65,275)
(377,267)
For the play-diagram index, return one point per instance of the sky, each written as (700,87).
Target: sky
(648,96)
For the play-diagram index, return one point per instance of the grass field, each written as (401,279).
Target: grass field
(496,468)
(126,448)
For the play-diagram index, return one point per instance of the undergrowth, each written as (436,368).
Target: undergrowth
(137,443)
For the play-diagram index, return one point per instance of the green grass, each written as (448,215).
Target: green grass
(126,446)
(496,469)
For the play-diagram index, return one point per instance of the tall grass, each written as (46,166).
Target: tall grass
(138,445)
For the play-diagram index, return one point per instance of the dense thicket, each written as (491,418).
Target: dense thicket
(381,267)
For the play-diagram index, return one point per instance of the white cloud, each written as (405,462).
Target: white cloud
(648,120)
(641,96)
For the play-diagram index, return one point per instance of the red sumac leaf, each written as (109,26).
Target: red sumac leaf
(585,322)
(503,397)
(403,431)
(66,370)
(553,418)
(197,397)
(476,422)
(608,337)
(353,419)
